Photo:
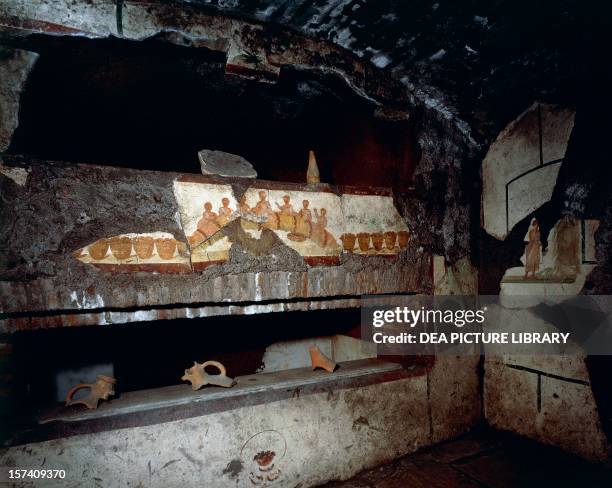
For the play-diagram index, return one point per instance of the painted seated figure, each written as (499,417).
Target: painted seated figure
(303,220)
(207,226)
(225,212)
(263,209)
(286,216)
(319,233)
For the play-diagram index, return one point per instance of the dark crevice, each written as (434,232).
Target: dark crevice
(154,354)
(153,105)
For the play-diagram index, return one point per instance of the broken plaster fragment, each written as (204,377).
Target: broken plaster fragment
(15,173)
(225,164)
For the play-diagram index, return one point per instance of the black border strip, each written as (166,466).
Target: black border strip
(548,375)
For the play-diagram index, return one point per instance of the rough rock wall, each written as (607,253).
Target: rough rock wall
(15,65)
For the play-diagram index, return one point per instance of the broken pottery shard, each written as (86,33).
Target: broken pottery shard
(100,390)
(225,164)
(320,360)
(198,377)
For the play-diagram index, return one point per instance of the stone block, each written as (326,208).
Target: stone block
(305,440)
(510,398)
(569,419)
(532,397)
(225,164)
(454,396)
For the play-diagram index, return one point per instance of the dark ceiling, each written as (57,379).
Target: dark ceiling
(482,60)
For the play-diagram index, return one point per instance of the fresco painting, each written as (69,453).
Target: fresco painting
(319,225)
(310,222)
(205,208)
(561,267)
(372,225)
(151,252)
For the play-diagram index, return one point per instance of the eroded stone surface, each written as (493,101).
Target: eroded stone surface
(252,50)
(15,65)
(454,395)
(460,278)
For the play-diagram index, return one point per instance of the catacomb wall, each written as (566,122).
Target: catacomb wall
(68,208)
(464,77)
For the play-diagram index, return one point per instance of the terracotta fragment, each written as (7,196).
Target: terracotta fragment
(100,390)
(198,377)
(320,360)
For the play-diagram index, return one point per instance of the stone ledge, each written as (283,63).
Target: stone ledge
(147,407)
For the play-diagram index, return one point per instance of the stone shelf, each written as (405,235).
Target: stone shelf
(147,407)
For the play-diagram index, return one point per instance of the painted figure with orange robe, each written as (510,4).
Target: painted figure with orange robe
(319,233)
(207,226)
